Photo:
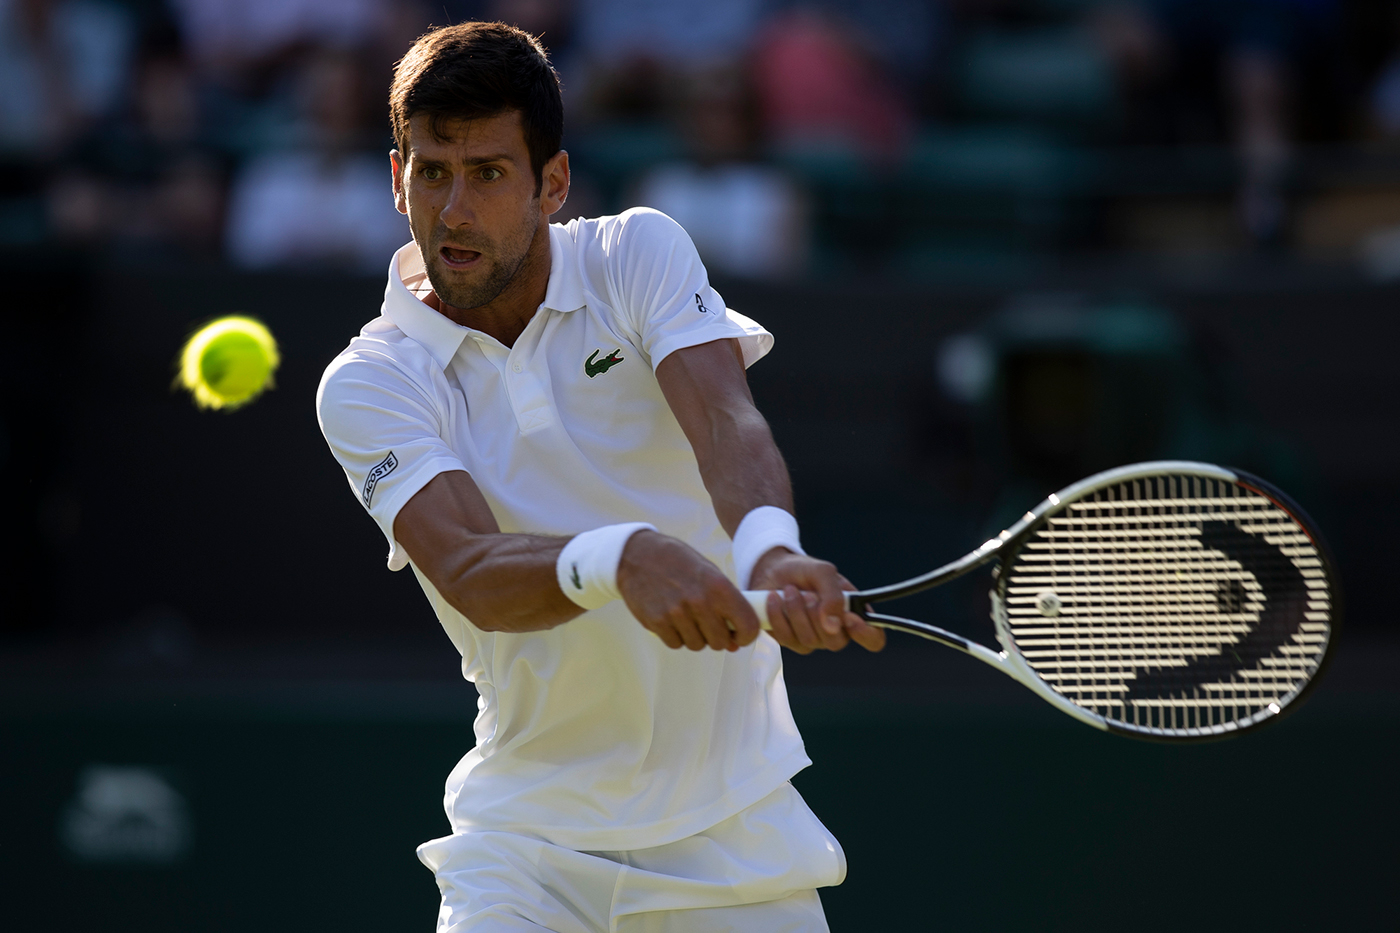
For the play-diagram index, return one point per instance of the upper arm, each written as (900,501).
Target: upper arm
(438,518)
(707,390)
(663,291)
(384,431)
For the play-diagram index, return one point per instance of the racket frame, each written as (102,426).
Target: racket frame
(1005,546)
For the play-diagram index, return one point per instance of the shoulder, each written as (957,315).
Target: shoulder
(381,361)
(637,231)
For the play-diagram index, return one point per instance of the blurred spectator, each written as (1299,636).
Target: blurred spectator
(1384,98)
(678,32)
(147,177)
(229,34)
(113,143)
(631,55)
(1257,81)
(249,53)
(328,199)
(1137,51)
(818,89)
(903,37)
(551,20)
(745,218)
(1257,48)
(63,65)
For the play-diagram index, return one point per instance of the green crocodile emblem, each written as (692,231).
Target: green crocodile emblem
(574,577)
(606,363)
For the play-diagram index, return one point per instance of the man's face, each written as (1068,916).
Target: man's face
(471,203)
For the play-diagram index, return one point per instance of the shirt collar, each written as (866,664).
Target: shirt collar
(565,289)
(441,336)
(407,280)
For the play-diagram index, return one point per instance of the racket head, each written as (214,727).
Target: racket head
(1176,601)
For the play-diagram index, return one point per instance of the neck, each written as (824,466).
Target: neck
(505,316)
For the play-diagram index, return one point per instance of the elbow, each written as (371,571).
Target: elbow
(489,614)
(476,607)
(485,621)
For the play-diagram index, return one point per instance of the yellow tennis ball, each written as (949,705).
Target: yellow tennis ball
(228,362)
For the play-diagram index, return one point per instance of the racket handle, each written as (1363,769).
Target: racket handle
(759,600)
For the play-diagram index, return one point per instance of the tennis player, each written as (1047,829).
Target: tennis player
(551,425)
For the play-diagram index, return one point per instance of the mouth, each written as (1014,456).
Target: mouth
(455,258)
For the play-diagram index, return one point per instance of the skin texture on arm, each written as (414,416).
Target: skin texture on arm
(708,392)
(507,583)
(500,582)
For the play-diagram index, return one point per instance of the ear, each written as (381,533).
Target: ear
(396,167)
(554,189)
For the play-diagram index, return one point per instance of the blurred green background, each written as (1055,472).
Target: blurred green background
(304,807)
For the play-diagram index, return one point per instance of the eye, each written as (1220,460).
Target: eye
(490,174)
(432,173)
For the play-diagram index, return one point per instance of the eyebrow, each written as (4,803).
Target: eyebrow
(481,160)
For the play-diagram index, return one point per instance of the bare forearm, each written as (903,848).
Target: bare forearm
(508,582)
(503,582)
(744,468)
(739,462)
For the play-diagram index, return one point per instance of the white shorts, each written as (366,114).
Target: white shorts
(756,871)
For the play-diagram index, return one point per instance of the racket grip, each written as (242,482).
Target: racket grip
(759,600)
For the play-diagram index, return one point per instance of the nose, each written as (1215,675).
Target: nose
(458,211)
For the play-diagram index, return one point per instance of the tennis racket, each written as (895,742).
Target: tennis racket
(1170,600)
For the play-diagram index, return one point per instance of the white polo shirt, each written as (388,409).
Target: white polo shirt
(592,735)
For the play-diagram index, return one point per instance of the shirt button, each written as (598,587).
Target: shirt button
(516,367)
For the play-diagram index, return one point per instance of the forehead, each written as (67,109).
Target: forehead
(502,134)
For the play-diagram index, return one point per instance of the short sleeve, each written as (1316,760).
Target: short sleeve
(666,293)
(384,431)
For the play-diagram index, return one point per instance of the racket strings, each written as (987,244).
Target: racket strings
(1172,604)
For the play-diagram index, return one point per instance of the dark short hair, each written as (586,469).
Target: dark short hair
(474,70)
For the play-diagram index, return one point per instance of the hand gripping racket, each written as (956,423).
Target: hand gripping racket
(1169,600)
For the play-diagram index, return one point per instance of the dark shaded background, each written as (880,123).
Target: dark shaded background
(1039,239)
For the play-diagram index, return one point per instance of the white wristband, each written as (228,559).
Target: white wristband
(587,567)
(763,529)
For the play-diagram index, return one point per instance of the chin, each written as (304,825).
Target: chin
(449,286)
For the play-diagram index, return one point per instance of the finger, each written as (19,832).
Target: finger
(864,634)
(780,628)
(822,622)
(689,631)
(832,599)
(668,635)
(740,619)
(778,625)
(713,626)
(796,608)
(831,641)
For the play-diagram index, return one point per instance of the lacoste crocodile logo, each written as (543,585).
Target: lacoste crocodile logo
(606,363)
(574,578)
